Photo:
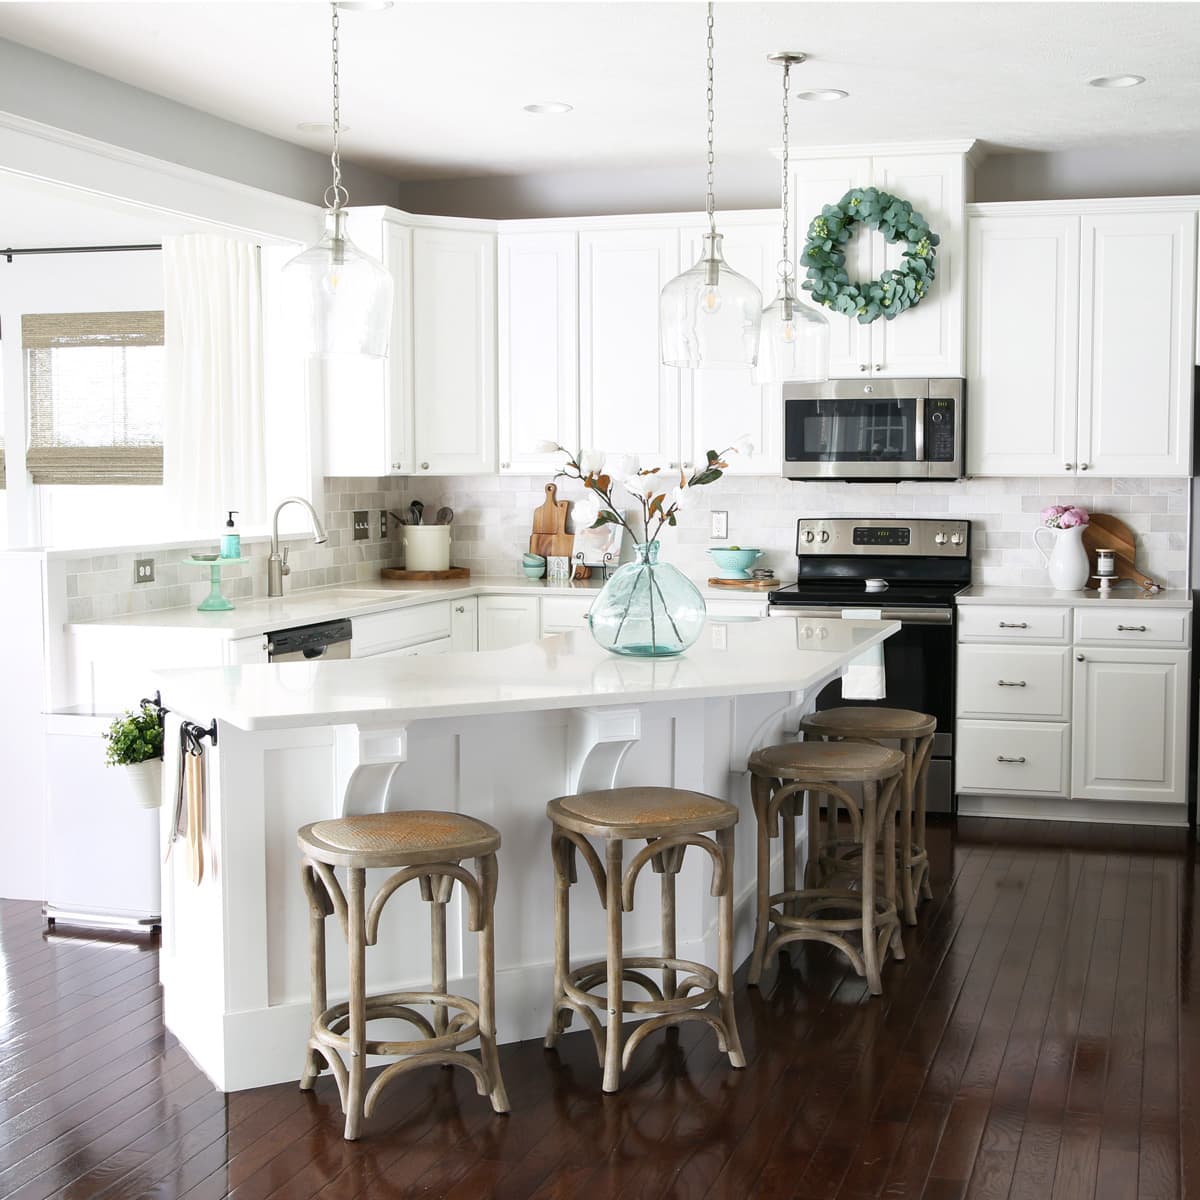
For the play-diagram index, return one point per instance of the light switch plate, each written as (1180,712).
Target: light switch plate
(143,570)
(362,525)
(720,524)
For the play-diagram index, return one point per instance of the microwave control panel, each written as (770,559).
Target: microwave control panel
(939,429)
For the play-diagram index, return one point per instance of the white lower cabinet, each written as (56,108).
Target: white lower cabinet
(400,629)
(1015,682)
(561,614)
(507,621)
(464,624)
(1013,757)
(1130,721)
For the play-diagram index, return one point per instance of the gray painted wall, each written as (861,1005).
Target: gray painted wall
(47,89)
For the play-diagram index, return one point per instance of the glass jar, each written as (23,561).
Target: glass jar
(647,609)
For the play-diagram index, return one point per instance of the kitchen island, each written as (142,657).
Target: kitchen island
(491,734)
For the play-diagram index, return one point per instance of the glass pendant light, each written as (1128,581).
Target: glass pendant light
(793,340)
(709,315)
(342,297)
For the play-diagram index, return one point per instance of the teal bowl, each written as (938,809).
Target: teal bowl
(533,570)
(734,564)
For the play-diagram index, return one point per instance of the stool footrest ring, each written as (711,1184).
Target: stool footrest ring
(576,985)
(329,1029)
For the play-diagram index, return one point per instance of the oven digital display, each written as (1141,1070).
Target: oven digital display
(882,535)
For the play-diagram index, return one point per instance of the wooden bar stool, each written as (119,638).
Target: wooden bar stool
(780,777)
(429,847)
(914,731)
(669,820)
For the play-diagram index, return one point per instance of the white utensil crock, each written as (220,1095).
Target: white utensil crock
(1067,562)
(426,547)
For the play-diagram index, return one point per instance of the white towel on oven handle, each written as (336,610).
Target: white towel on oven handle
(864,678)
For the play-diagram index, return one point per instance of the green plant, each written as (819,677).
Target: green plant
(895,290)
(134,738)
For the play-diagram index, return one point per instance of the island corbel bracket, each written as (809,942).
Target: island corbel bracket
(372,756)
(597,740)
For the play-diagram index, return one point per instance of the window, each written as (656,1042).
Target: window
(95,388)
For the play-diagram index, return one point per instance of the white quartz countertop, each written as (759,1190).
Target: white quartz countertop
(566,670)
(252,617)
(1122,594)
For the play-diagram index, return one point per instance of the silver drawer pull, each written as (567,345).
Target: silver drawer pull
(1001,758)
(1014,624)
(1010,683)
(1131,629)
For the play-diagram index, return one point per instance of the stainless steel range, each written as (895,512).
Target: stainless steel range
(909,571)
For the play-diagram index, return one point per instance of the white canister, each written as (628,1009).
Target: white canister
(426,547)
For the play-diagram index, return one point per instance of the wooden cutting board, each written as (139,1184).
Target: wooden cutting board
(1106,532)
(746,585)
(550,537)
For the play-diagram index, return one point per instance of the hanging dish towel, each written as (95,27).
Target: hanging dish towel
(187,819)
(864,677)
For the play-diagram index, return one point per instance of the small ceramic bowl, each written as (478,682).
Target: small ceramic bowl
(533,570)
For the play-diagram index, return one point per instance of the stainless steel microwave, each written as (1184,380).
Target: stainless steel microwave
(873,429)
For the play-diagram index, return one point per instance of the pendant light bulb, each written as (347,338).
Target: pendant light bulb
(341,298)
(794,336)
(709,316)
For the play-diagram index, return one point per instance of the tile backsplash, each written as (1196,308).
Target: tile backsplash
(493,516)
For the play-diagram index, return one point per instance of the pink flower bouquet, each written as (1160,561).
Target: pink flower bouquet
(1064,516)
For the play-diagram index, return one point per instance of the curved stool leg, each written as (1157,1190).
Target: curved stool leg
(488,874)
(357,930)
(908,747)
(319,908)
(725,952)
(615,968)
(870,945)
(560,854)
(760,790)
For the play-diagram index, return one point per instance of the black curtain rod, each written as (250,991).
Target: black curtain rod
(10,253)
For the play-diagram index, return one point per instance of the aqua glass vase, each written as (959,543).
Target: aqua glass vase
(647,609)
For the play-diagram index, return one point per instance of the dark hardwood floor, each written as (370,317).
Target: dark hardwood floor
(1041,1042)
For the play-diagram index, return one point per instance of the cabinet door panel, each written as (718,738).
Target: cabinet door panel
(538,353)
(815,184)
(454,351)
(1022,323)
(1135,343)
(507,621)
(629,402)
(1130,726)
(718,407)
(927,339)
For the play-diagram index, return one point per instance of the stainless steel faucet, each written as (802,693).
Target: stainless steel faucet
(277,564)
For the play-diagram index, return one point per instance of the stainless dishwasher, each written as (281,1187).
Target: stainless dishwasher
(305,643)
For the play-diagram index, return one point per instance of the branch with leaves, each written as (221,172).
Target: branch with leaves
(657,494)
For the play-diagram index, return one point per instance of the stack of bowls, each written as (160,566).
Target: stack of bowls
(534,566)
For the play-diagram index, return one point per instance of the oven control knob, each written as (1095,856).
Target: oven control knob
(940,538)
(809,536)
(806,631)
(824,535)
(956,539)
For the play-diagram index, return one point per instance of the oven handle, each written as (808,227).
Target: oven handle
(906,616)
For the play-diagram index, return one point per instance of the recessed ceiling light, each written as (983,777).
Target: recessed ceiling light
(1116,81)
(319,127)
(549,106)
(823,95)
(364,5)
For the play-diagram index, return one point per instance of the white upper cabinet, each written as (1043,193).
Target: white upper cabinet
(538,278)
(1138,288)
(454,351)
(628,401)
(1022,329)
(926,339)
(1080,342)
(719,406)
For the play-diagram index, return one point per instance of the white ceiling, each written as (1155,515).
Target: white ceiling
(436,87)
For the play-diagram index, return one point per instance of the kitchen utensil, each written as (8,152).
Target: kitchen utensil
(445,515)
(415,510)
(549,536)
(733,562)
(1106,532)
(399,518)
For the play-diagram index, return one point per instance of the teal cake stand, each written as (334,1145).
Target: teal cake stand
(215,601)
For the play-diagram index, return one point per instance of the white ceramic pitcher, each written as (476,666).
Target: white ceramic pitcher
(1067,561)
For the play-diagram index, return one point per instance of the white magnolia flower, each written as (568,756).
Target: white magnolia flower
(680,497)
(743,445)
(642,486)
(591,462)
(624,466)
(545,447)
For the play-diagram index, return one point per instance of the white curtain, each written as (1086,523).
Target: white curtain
(214,428)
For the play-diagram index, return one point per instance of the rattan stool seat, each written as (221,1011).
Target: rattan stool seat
(639,811)
(397,839)
(843,762)
(870,722)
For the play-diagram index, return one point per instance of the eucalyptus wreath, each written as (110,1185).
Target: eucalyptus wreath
(895,290)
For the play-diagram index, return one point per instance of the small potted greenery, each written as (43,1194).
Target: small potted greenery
(135,741)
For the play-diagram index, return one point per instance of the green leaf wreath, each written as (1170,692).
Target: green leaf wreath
(824,255)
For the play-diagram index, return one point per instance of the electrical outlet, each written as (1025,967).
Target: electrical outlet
(720,524)
(362,525)
(383,523)
(143,570)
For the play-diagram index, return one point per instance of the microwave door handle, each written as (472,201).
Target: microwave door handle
(920,430)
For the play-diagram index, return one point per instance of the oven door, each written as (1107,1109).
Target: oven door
(919,674)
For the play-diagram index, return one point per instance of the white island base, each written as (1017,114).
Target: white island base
(494,735)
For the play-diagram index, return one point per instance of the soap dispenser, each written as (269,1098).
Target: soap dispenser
(231,541)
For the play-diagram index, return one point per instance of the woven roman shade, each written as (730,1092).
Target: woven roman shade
(95,391)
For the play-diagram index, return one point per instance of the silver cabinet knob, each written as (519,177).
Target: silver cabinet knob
(1083,466)
(397,466)
(424,466)
(1080,658)
(877,367)
(461,608)
(863,367)
(1068,466)
(505,466)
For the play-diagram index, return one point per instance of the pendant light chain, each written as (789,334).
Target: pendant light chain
(785,263)
(336,195)
(712,158)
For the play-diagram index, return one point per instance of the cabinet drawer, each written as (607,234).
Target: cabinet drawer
(377,632)
(1142,625)
(562,613)
(1014,681)
(1012,757)
(993,623)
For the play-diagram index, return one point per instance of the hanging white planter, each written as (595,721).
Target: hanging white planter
(145,783)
